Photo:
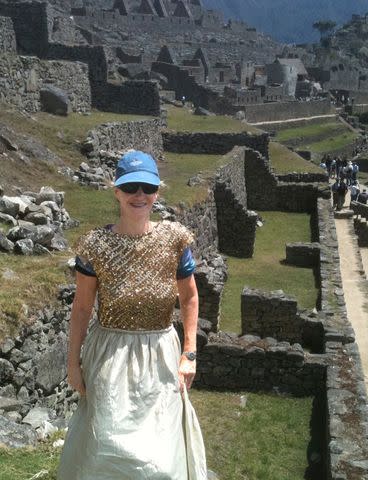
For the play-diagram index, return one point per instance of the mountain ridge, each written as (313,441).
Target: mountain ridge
(289,21)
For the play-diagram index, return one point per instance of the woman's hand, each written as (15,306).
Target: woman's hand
(187,371)
(75,379)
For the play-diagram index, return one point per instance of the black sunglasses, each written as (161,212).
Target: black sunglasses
(133,187)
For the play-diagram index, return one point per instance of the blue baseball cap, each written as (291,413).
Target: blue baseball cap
(136,166)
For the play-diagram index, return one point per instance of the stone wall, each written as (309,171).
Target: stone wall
(266,193)
(302,177)
(232,363)
(33,24)
(303,254)
(30,26)
(216,143)
(7,36)
(236,225)
(267,112)
(119,136)
(360,222)
(275,314)
(21,79)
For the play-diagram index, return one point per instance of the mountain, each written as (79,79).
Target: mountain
(289,21)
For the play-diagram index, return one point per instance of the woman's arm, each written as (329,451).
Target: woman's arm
(83,303)
(188,298)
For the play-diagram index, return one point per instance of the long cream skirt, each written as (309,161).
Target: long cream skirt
(133,423)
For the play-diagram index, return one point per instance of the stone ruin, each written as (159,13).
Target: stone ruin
(281,348)
(36,222)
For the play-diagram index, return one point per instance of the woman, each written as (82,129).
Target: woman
(134,420)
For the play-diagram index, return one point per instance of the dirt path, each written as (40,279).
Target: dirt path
(356,295)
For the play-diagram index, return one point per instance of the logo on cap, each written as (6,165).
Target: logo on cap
(136,162)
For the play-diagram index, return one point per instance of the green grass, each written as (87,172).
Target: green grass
(181,119)
(62,135)
(319,138)
(266,269)
(249,443)
(178,168)
(266,440)
(283,160)
(330,144)
(311,130)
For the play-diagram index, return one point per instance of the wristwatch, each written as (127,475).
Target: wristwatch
(190,355)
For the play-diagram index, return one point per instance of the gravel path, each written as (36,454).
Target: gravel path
(355,288)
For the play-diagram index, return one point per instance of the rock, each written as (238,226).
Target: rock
(6,346)
(48,194)
(59,242)
(8,391)
(212,475)
(58,443)
(8,219)
(84,167)
(40,250)
(240,115)
(54,100)
(51,365)
(37,218)
(36,416)
(13,416)
(14,435)
(37,233)
(8,143)
(5,244)
(24,247)
(45,430)
(6,370)
(7,404)
(8,207)
(196,180)
(21,202)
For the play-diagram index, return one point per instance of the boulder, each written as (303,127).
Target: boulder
(6,370)
(8,219)
(40,250)
(24,246)
(21,202)
(9,404)
(37,218)
(14,435)
(59,242)
(54,100)
(36,416)
(8,207)
(51,365)
(48,194)
(5,244)
(37,233)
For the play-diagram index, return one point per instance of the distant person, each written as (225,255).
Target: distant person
(342,190)
(183,100)
(355,171)
(328,163)
(334,189)
(363,197)
(354,190)
(333,168)
(348,172)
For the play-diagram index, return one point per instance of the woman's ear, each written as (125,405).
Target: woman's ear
(116,194)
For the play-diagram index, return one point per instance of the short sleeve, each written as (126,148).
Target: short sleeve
(85,268)
(84,254)
(186,265)
(186,238)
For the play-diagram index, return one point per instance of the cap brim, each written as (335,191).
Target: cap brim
(143,177)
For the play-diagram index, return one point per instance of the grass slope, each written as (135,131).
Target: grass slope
(241,442)
(266,269)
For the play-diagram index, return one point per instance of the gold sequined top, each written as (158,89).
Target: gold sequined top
(136,275)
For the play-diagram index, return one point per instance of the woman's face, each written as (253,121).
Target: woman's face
(137,204)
